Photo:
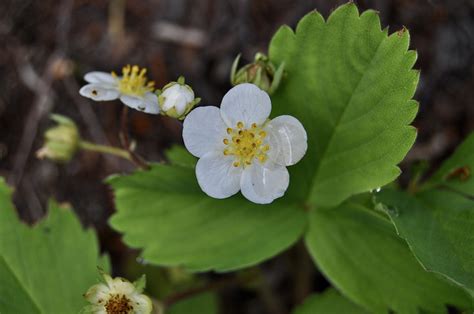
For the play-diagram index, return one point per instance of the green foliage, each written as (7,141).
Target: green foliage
(456,172)
(343,75)
(362,256)
(45,268)
(329,302)
(438,223)
(439,227)
(350,85)
(205,303)
(165,212)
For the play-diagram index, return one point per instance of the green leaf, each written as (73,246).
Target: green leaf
(329,302)
(438,223)
(45,268)
(439,227)
(178,155)
(360,253)
(351,86)
(165,212)
(204,303)
(456,172)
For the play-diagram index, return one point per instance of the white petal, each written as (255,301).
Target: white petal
(98,92)
(204,131)
(262,184)
(122,286)
(148,103)
(287,139)
(142,304)
(245,103)
(180,105)
(216,175)
(96,293)
(151,103)
(100,77)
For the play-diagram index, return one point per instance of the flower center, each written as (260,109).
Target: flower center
(118,304)
(246,144)
(134,81)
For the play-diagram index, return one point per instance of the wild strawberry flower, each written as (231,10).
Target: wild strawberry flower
(241,149)
(117,295)
(132,88)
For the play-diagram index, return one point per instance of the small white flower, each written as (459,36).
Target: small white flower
(117,295)
(132,88)
(241,149)
(177,99)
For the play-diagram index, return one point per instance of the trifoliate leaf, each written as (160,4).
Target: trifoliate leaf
(329,302)
(45,268)
(165,212)
(360,253)
(351,86)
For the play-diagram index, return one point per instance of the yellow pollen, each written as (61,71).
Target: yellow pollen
(246,145)
(134,81)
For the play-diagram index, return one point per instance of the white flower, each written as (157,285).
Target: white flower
(117,295)
(177,99)
(132,88)
(241,149)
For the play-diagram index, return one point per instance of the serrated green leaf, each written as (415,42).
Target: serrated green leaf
(456,172)
(178,155)
(165,212)
(350,85)
(329,302)
(439,227)
(45,268)
(360,253)
(204,303)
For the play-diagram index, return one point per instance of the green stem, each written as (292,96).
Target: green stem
(105,149)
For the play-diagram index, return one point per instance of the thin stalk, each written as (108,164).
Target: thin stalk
(125,141)
(105,149)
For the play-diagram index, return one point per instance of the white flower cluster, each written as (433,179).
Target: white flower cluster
(238,146)
(135,91)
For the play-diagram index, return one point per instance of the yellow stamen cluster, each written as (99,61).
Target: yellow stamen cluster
(246,144)
(134,82)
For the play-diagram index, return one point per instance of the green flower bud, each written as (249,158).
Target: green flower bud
(61,141)
(261,72)
(176,99)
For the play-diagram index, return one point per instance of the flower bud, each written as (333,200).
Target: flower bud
(261,72)
(177,99)
(61,141)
